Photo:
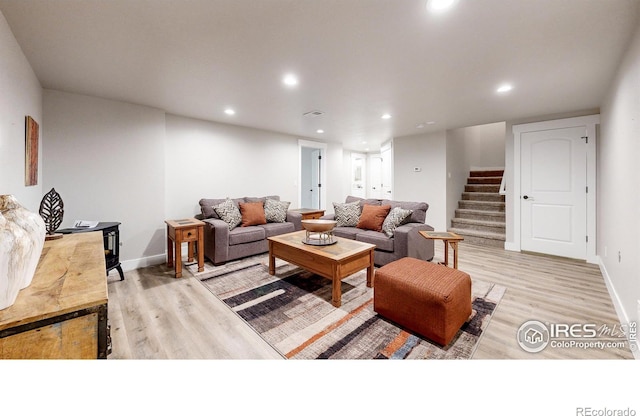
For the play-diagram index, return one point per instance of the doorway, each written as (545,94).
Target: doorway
(554,187)
(358,175)
(311,193)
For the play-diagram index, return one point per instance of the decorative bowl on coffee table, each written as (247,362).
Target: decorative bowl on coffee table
(319,232)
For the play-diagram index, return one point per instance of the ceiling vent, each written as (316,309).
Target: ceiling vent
(314,113)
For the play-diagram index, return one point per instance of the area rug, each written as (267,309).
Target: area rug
(292,311)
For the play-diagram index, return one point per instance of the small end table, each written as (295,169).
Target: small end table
(449,239)
(188,230)
(309,213)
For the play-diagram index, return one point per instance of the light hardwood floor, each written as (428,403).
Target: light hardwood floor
(155,316)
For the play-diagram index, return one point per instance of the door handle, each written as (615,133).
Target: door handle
(527,197)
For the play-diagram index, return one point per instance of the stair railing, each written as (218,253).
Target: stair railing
(503,185)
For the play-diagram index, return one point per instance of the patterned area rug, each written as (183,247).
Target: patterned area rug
(293,312)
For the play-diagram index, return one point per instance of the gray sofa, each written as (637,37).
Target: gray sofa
(405,242)
(222,245)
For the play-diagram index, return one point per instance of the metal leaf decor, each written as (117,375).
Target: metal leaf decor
(52,210)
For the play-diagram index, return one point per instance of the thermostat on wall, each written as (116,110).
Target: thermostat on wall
(417,169)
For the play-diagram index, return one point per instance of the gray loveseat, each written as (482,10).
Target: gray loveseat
(405,240)
(222,244)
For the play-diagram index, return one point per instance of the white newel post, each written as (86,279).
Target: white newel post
(22,235)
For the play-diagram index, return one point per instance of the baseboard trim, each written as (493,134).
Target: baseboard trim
(617,304)
(509,246)
(129,265)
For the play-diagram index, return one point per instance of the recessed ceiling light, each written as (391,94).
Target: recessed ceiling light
(320,131)
(504,88)
(431,122)
(229,111)
(420,126)
(290,80)
(439,5)
(386,116)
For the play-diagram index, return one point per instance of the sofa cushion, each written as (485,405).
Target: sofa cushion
(373,216)
(241,235)
(261,199)
(229,212)
(346,232)
(396,217)
(252,213)
(207,206)
(277,228)
(419,209)
(276,211)
(362,201)
(347,214)
(381,241)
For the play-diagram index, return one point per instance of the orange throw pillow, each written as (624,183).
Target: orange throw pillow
(252,213)
(373,216)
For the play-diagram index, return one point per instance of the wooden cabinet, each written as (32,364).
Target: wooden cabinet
(63,313)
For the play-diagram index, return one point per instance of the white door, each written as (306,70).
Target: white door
(553,191)
(310,178)
(387,172)
(315,184)
(375,173)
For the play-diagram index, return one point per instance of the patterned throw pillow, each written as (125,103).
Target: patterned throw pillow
(276,211)
(394,219)
(229,212)
(347,214)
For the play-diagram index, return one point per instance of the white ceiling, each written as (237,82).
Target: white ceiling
(356,59)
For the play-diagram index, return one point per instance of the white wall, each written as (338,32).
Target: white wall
(20,96)
(213,160)
(619,185)
(114,161)
(106,160)
(429,153)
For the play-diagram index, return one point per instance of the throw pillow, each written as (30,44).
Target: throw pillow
(347,214)
(252,213)
(394,219)
(373,216)
(276,211)
(229,212)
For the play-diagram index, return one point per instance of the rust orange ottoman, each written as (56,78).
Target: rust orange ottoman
(429,299)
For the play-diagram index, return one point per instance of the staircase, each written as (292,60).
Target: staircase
(480,218)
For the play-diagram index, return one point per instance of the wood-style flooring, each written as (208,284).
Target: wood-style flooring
(155,316)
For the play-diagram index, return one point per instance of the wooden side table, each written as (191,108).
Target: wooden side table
(449,239)
(188,230)
(309,213)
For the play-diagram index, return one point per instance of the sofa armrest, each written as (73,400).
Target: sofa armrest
(328,217)
(216,240)
(409,243)
(295,218)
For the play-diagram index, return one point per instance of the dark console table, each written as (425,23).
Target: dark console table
(111,239)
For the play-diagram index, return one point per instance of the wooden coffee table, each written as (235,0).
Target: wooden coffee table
(334,262)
